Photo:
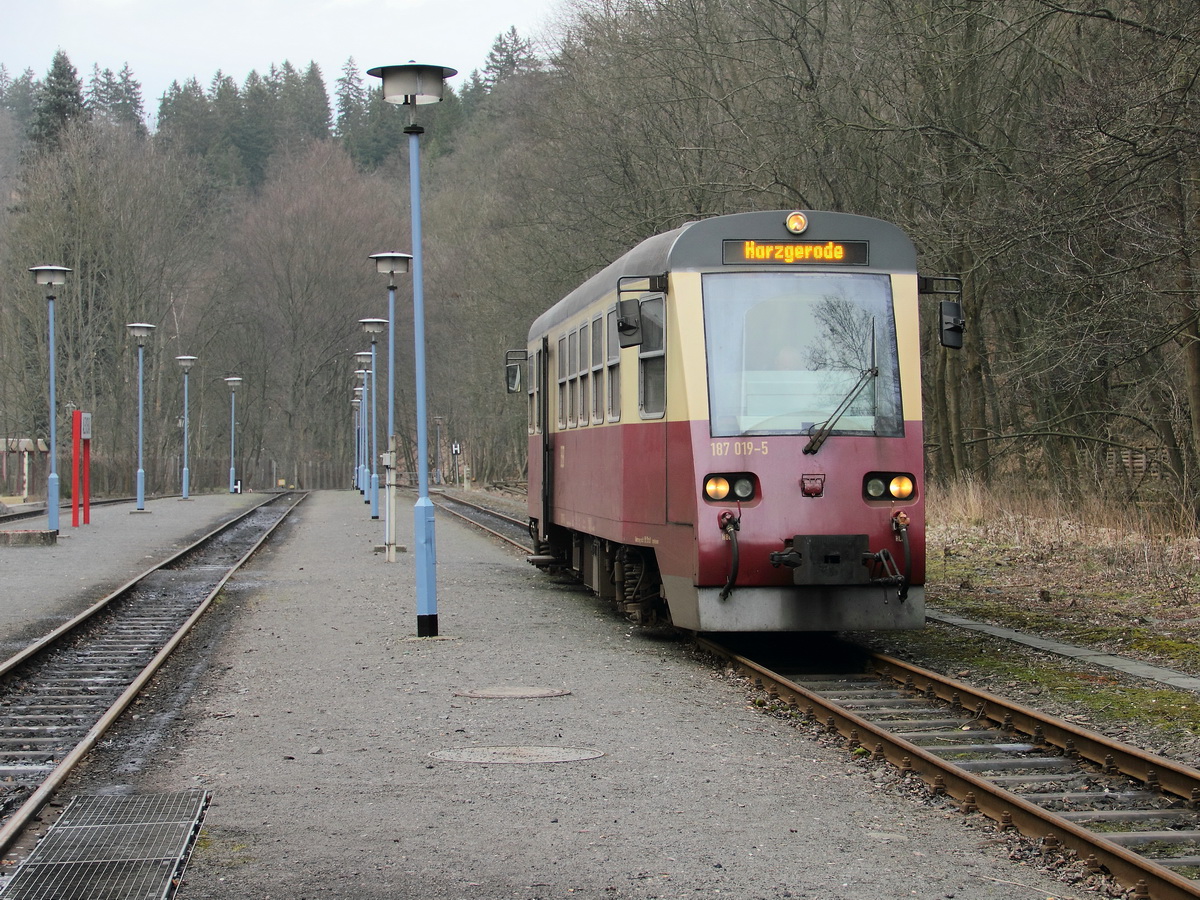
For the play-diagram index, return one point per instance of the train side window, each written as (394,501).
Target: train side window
(597,370)
(532,401)
(652,361)
(562,382)
(613,365)
(573,379)
(585,350)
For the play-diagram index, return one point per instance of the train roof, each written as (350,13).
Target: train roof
(697,245)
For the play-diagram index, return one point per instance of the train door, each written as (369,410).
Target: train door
(652,403)
(542,411)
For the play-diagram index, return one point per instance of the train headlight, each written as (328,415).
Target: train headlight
(901,487)
(796,223)
(735,486)
(716,487)
(889,486)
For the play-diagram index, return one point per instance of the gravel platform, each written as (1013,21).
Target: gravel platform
(332,739)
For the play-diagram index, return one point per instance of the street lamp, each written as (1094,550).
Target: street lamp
(233,381)
(185,363)
(373,328)
(391,265)
(365,396)
(357,404)
(141,331)
(51,276)
(415,85)
(366,359)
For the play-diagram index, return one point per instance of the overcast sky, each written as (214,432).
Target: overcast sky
(173,40)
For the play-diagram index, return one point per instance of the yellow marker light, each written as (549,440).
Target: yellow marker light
(717,488)
(901,487)
(797,223)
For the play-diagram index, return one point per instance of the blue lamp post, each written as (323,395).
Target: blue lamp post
(415,85)
(360,390)
(391,264)
(357,404)
(185,363)
(369,403)
(374,328)
(233,381)
(52,276)
(141,331)
(372,422)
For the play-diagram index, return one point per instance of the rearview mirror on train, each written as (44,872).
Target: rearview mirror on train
(952,324)
(629,322)
(512,377)
(514,362)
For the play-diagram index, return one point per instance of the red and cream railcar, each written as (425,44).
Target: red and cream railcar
(726,422)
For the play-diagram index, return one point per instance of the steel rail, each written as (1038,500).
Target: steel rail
(53,637)
(1150,879)
(19,820)
(443,501)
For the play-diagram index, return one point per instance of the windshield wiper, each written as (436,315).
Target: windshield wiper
(817,438)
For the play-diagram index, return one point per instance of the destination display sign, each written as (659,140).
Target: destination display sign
(794,253)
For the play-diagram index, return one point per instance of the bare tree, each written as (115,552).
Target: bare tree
(295,279)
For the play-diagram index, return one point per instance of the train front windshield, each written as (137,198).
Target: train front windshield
(787,349)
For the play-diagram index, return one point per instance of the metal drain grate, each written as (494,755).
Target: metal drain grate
(113,848)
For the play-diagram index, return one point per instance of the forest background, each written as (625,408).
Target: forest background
(1046,152)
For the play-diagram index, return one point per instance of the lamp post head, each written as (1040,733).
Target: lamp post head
(185,362)
(49,274)
(233,381)
(364,360)
(373,326)
(413,84)
(140,330)
(392,263)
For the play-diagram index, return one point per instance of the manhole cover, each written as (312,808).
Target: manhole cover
(512,692)
(516,754)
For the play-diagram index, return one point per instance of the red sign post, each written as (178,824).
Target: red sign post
(81,457)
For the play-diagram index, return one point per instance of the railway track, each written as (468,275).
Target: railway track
(60,695)
(498,524)
(1121,810)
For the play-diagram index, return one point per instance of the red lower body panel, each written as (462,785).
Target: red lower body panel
(643,485)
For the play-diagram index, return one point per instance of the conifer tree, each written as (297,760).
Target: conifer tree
(17,95)
(255,137)
(58,102)
(116,98)
(510,55)
(184,118)
(128,107)
(351,97)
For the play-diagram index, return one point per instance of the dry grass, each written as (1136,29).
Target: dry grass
(1126,581)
